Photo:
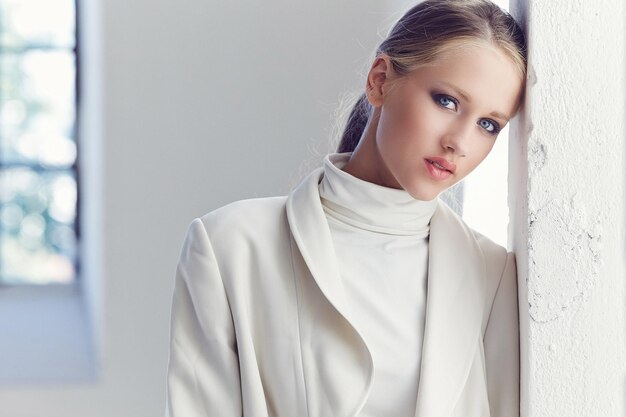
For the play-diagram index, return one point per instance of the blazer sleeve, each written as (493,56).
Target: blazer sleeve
(203,367)
(501,343)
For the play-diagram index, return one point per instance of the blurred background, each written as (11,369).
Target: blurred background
(122,121)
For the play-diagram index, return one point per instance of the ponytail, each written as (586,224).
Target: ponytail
(355,125)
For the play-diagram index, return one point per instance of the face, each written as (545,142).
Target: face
(448,112)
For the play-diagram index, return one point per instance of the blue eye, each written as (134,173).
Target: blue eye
(486,123)
(444,100)
(489,125)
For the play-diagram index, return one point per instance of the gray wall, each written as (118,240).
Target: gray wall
(189,105)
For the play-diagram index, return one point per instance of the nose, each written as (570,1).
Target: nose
(457,138)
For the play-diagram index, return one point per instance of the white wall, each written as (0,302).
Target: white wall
(567,188)
(190,105)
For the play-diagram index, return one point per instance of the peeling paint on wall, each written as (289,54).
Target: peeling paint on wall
(537,155)
(565,257)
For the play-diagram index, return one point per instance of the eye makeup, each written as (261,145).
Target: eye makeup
(438,97)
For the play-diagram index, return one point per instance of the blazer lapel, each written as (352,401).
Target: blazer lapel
(454,304)
(340,363)
(453,310)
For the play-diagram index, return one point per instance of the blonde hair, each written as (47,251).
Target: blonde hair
(433,28)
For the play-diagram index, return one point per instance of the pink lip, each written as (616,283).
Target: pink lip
(436,173)
(450,166)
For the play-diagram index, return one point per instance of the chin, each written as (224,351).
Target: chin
(424,193)
(423,189)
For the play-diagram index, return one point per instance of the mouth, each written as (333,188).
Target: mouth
(436,170)
(439,166)
(442,164)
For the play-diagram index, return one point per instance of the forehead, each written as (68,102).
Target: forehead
(485,74)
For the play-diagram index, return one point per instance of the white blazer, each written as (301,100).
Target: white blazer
(260,325)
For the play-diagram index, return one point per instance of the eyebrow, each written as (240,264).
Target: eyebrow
(467,98)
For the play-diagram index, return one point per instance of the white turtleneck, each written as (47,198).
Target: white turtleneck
(380,235)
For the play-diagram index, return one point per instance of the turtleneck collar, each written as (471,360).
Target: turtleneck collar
(371,206)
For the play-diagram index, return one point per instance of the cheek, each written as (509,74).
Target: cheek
(405,124)
(481,154)
(411,116)
(487,149)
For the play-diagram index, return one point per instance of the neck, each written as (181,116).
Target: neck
(366,162)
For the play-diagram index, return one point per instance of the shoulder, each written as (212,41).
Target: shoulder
(246,219)
(494,254)
(500,264)
(500,270)
(242,209)
(498,261)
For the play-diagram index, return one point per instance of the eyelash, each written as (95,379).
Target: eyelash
(496,126)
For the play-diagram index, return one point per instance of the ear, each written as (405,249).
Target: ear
(379,74)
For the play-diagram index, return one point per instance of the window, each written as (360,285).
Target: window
(38,153)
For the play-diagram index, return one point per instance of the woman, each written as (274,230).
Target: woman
(361,293)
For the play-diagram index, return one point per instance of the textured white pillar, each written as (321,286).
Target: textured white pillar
(566,194)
